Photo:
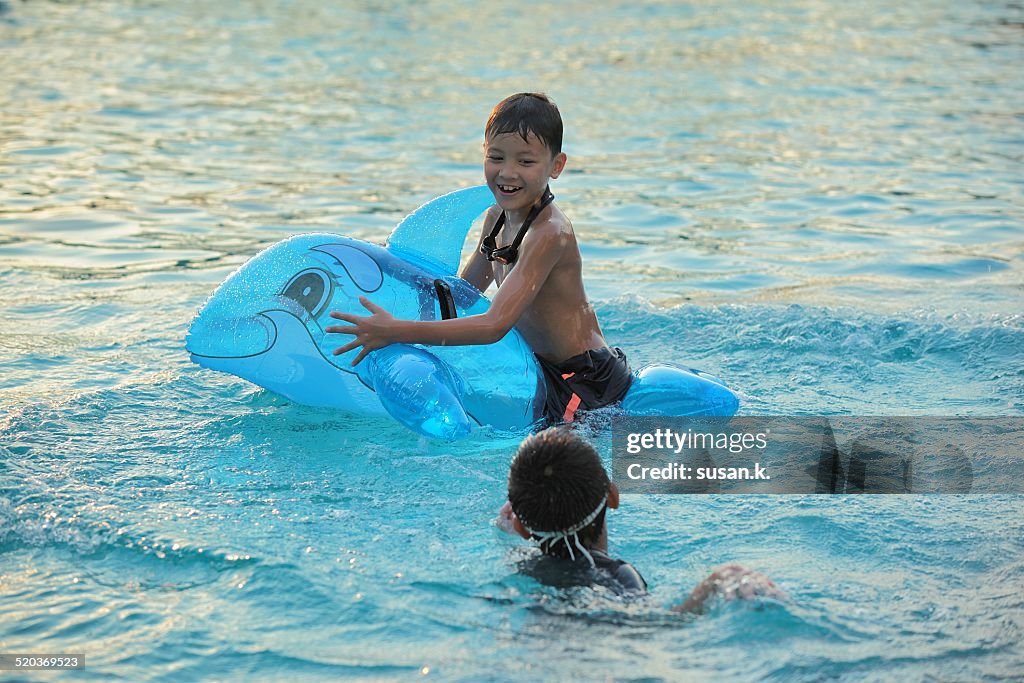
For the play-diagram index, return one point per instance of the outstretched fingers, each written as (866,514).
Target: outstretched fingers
(360,357)
(341,329)
(370,306)
(348,347)
(366,330)
(345,329)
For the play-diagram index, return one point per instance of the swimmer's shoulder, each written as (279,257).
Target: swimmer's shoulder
(630,578)
(625,574)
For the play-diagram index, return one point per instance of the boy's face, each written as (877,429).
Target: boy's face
(517,170)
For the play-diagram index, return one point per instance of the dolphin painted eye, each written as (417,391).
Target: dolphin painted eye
(310,289)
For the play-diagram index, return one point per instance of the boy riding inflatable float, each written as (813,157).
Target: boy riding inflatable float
(265,323)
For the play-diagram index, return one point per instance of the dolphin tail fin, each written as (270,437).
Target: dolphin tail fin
(418,389)
(672,390)
(436,231)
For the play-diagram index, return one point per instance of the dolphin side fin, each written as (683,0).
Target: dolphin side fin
(436,231)
(417,389)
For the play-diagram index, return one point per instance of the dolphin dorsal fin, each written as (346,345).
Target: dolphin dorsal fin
(436,231)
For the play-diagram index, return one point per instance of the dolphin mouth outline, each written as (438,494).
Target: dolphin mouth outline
(309,297)
(273,340)
(270,344)
(365,378)
(266,348)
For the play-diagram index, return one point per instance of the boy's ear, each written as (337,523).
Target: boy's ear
(613,495)
(520,529)
(559,164)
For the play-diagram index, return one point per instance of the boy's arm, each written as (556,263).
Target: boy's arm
(538,255)
(731,582)
(478,271)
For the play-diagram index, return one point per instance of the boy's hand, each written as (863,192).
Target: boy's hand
(372,333)
(730,582)
(506,519)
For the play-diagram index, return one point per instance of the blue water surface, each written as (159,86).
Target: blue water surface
(819,202)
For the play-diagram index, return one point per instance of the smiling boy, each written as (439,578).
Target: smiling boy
(529,249)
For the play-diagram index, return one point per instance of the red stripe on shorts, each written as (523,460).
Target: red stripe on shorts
(573,405)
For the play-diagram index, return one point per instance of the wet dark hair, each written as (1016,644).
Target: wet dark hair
(525,113)
(555,481)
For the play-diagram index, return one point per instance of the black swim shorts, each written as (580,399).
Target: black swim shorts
(590,380)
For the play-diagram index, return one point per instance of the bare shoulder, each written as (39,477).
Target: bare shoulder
(551,228)
(556,218)
(490,217)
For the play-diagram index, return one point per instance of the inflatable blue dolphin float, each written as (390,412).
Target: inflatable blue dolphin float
(265,323)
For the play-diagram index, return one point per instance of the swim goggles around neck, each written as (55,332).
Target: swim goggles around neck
(552,537)
(510,252)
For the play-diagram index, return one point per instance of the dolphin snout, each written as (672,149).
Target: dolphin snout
(217,337)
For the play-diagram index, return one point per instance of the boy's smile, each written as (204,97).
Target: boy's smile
(518,170)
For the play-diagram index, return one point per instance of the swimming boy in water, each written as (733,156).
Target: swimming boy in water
(559,493)
(529,248)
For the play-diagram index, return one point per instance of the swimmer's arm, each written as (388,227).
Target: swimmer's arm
(732,582)
(695,602)
(516,293)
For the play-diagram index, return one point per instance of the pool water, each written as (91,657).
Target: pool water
(819,202)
